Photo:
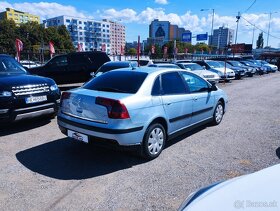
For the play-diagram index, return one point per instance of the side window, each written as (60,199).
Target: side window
(195,83)
(172,83)
(156,88)
(59,61)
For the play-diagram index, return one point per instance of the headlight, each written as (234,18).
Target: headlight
(54,87)
(6,94)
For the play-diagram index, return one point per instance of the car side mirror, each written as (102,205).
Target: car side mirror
(189,69)
(204,67)
(92,74)
(213,87)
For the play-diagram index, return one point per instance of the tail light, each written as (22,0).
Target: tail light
(65,96)
(115,109)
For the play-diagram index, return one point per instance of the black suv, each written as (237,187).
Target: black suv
(73,67)
(23,95)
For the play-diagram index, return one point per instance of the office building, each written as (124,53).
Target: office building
(161,32)
(222,37)
(91,34)
(117,37)
(18,16)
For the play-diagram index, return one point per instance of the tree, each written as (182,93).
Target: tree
(8,36)
(132,51)
(260,40)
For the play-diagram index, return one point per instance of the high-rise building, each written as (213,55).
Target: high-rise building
(161,32)
(18,16)
(117,37)
(222,37)
(91,34)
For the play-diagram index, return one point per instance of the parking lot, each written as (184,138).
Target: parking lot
(41,169)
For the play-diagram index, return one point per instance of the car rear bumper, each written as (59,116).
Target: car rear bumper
(122,137)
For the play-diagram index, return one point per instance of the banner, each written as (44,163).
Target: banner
(80,47)
(19,48)
(186,50)
(153,49)
(52,50)
(103,48)
(165,50)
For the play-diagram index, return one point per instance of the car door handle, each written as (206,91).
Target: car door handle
(195,98)
(168,103)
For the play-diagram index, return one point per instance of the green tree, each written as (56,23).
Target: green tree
(260,40)
(132,51)
(8,35)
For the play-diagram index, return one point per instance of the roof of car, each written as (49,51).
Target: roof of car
(149,70)
(120,63)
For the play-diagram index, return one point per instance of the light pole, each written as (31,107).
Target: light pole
(254,26)
(269,26)
(213,15)
(237,22)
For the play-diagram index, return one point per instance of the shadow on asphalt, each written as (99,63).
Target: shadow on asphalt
(70,160)
(24,125)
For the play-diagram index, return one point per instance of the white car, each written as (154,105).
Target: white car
(143,61)
(257,191)
(197,69)
(29,64)
(273,67)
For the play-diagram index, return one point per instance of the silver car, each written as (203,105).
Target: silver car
(143,107)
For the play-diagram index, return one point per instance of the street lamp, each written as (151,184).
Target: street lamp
(269,26)
(237,22)
(213,14)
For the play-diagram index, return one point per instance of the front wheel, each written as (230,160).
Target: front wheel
(218,113)
(154,141)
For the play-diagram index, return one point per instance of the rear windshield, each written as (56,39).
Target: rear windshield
(117,81)
(193,66)
(106,68)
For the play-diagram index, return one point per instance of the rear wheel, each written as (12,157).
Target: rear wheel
(218,113)
(154,141)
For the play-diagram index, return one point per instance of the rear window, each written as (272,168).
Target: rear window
(117,81)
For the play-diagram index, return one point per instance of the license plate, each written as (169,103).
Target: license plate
(77,136)
(35,99)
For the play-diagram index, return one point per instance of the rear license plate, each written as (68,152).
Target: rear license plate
(77,136)
(35,99)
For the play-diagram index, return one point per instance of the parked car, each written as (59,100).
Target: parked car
(29,64)
(113,65)
(257,191)
(256,68)
(73,67)
(197,69)
(165,65)
(265,69)
(249,71)
(273,67)
(142,61)
(23,95)
(214,66)
(140,108)
(239,72)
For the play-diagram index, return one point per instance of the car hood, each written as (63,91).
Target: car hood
(228,70)
(261,188)
(205,72)
(8,81)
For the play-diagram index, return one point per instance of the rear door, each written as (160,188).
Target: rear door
(78,68)
(176,101)
(203,99)
(57,68)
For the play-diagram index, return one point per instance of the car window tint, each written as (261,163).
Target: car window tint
(156,87)
(195,83)
(117,81)
(59,61)
(172,83)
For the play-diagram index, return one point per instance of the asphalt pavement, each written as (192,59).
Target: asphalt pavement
(41,169)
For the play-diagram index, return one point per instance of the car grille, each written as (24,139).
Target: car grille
(30,89)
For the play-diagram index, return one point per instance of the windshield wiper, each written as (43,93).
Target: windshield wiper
(110,89)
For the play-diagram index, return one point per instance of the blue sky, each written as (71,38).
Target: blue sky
(137,14)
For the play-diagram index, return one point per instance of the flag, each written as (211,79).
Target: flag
(19,48)
(186,50)
(202,51)
(210,52)
(103,48)
(165,50)
(80,47)
(194,52)
(122,50)
(52,50)
(176,50)
(153,49)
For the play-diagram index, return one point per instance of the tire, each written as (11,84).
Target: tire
(153,142)
(218,113)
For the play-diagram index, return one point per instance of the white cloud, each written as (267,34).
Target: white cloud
(161,1)
(44,9)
